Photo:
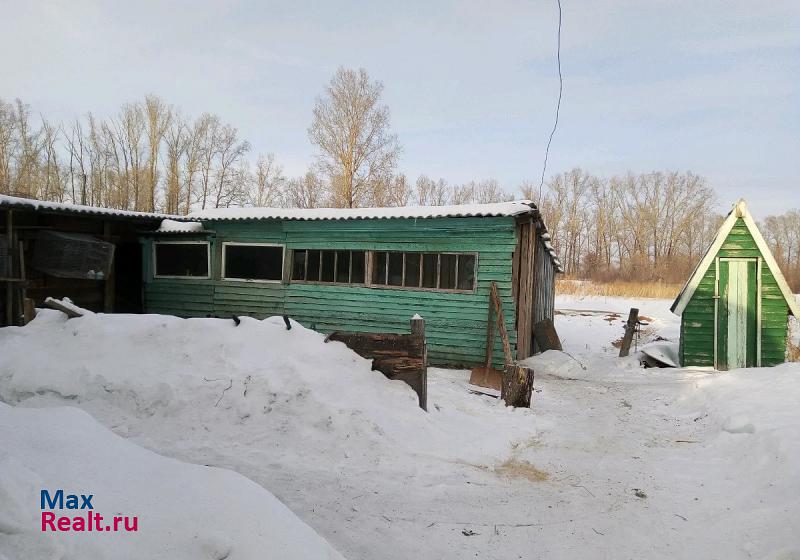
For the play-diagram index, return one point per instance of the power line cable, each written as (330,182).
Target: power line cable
(558,105)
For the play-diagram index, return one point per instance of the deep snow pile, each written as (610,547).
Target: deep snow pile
(182,511)
(256,381)
(613,461)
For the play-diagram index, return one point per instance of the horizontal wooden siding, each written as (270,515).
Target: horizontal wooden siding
(455,322)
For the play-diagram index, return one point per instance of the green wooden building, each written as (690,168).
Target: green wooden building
(362,270)
(734,308)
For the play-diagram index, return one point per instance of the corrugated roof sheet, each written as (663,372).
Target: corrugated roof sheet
(68,208)
(516,208)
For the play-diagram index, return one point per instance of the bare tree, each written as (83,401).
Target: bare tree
(350,128)
(157,119)
(307,191)
(268,182)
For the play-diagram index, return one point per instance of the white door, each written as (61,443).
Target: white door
(737,314)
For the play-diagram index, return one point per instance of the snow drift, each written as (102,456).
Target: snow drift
(183,511)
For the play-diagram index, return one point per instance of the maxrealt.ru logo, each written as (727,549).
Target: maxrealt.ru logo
(87,520)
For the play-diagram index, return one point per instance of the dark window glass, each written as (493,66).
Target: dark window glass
(181,259)
(412,270)
(430,263)
(379,269)
(328,263)
(343,267)
(299,265)
(313,266)
(466,272)
(253,262)
(395,269)
(357,274)
(447,274)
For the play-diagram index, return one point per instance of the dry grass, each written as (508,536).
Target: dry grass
(659,290)
(793,350)
(516,468)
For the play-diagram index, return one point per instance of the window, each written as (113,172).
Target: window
(258,262)
(442,271)
(329,267)
(181,259)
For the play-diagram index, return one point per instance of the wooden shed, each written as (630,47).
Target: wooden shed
(88,254)
(734,308)
(362,270)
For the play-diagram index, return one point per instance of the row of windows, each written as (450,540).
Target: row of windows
(264,263)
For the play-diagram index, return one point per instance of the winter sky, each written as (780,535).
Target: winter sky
(710,86)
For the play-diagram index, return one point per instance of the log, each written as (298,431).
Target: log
(57,305)
(517,386)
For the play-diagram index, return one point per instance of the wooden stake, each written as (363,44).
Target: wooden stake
(630,329)
(418,331)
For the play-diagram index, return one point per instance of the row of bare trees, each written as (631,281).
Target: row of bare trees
(782,233)
(651,226)
(150,157)
(147,157)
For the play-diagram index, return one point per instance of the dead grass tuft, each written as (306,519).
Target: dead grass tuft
(793,351)
(516,468)
(617,288)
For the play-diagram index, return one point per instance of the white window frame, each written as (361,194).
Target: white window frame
(225,245)
(171,277)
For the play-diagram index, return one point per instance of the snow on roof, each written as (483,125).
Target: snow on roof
(516,208)
(172,226)
(68,208)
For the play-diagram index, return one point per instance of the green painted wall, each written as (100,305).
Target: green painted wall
(455,322)
(697,321)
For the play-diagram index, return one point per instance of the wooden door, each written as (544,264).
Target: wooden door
(736,337)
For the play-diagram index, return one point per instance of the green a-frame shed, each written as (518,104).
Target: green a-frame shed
(734,308)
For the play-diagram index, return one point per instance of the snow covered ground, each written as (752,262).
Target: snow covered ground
(613,461)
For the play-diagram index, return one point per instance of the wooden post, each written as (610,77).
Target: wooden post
(10,271)
(630,329)
(110,281)
(418,330)
(27,317)
(29,310)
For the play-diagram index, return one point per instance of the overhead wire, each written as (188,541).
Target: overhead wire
(558,104)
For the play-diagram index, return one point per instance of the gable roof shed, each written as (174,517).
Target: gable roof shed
(734,307)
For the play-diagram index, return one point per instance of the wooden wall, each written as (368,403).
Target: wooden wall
(455,322)
(697,321)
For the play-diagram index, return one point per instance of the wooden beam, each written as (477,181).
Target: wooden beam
(490,334)
(501,324)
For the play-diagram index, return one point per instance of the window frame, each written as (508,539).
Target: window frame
(156,275)
(225,244)
(336,252)
(387,286)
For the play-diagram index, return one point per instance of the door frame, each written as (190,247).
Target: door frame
(758,261)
